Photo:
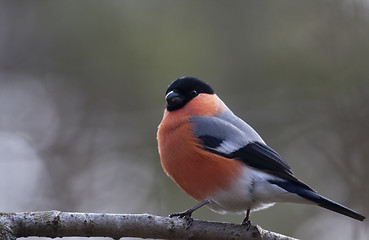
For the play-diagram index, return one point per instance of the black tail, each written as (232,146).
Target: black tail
(316,198)
(329,204)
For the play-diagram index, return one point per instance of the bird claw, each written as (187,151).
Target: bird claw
(186,215)
(179,215)
(247,224)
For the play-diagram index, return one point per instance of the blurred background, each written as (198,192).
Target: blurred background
(82,87)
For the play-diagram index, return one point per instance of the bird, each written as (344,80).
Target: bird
(221,161)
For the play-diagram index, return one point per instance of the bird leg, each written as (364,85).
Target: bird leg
(246,221)
(187,214)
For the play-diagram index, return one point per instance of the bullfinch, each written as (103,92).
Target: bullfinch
(221,161)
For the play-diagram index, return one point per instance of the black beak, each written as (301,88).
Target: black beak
(174,100)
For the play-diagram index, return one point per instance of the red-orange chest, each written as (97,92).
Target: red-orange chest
(198,172)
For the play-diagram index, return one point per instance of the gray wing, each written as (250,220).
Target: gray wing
(228,136)
(225,133)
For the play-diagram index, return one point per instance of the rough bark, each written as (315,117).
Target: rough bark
(66,224)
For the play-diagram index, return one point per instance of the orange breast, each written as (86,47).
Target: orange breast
(198,172)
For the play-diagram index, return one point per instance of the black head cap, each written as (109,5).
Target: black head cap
(182,90)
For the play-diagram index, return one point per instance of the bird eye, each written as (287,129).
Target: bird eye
(194,93)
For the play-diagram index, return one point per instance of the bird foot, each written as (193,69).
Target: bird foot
(186,215)
(247,223)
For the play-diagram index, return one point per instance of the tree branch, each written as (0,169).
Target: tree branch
(65,224)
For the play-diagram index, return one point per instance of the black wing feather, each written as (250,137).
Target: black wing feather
(261,157)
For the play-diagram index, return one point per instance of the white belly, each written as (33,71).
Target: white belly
(251,191)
